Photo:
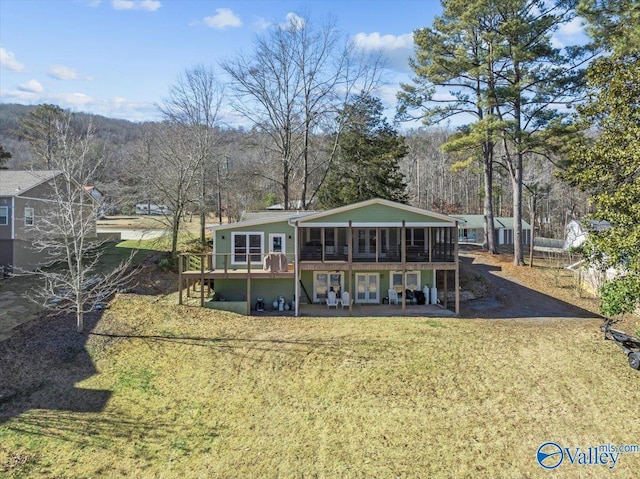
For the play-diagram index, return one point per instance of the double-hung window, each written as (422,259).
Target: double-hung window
(246,245)
(4,215)
(29,216)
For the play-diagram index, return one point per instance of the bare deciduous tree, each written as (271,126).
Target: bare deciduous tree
(294,85)
(66,230)
(193,105)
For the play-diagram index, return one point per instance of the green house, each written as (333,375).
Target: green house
(365,249)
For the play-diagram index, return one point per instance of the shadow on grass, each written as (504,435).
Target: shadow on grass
(509,299)
(42,364)
(103,429)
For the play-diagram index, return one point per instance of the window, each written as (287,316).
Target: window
(412,281)
(4,215)
(244,244)
(29,216)
(276,243)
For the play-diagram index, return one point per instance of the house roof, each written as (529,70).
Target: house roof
(376,201)
(14,183)
(267,218)
(271,214)
(477,222)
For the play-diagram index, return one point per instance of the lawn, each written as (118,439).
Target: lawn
(158,390)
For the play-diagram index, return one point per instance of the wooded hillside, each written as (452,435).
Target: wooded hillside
(436,180)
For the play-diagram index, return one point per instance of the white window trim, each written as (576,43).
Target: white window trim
(317,299)
(418,278)
(6,215)
(284,241)
(247,234)
(32,216)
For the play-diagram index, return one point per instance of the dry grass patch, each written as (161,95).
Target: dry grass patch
(201,393)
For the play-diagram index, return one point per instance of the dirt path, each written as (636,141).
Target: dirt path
(520,292)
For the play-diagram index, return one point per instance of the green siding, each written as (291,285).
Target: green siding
(267,289)
(374,214)
(222,240)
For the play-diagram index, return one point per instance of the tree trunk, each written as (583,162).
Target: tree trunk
(534,199)
(489,228)
(518,255)
(80,321)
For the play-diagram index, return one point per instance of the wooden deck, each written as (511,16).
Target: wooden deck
(198,270)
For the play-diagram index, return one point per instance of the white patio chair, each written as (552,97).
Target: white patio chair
(332,299)
(393,296)
(346,299)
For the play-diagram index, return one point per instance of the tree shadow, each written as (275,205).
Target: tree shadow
(42,363)
(510,299)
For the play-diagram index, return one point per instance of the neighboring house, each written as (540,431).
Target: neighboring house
(98,197)
(471,229)
(365,249)
(576,231)
(589,278)
(24,198)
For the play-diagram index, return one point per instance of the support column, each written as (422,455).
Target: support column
(180,278)
(202,260)
(456,258)
(350,266)
(403,258)
(248,284)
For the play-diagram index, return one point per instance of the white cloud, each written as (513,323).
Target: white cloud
(293,20)
(60,72)
(395,49)
(145,5)
(32,86)
(261,24)
(571,33)
(223,18)
(8,61)
(375,41)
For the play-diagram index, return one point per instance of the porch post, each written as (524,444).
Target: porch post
(202,260)
(296,270)
(248,284)
(446,280)
(180,278)
(456,252)
(403,257)
(350,266)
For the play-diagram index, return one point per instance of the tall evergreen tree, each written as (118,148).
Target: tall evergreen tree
(456,53)
(609,166)
(497,59)
(368,162)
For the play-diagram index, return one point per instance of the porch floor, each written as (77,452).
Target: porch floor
(363,310)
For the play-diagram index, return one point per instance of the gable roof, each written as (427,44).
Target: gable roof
(270,214)
(371,202)
(261,220)
(14,183)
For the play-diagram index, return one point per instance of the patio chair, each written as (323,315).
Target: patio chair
(393,296)
(346,299)
(332,299)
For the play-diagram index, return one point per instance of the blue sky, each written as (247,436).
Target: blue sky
(118,58)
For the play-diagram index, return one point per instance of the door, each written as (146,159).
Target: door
(323,282)
(367,288)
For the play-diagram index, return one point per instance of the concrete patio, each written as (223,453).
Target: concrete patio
(363,310)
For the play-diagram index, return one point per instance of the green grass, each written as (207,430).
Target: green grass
(200,393)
